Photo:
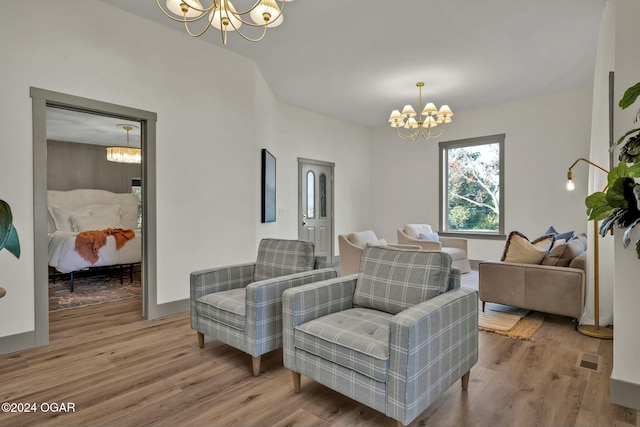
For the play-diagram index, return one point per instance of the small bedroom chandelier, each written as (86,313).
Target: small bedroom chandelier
(221,15)
(121,154)
(429,118)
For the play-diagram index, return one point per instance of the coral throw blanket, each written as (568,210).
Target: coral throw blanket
(88,243)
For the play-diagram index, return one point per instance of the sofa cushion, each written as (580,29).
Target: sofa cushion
(414,230)
(361,238)
(357,339)
(457,254)
(283,257)
(567,235)
(392,280)
(381,242)
(580,239)
(561,254)
(226,307)
(519,249)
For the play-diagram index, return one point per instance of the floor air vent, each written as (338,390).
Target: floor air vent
(589,361)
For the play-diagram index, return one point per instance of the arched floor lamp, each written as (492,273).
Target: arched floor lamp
(593,330)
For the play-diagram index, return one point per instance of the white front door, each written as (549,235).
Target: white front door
(315,201)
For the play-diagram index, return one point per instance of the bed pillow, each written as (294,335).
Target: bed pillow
(94,222)
(62,217)
(520,249)
(102,210)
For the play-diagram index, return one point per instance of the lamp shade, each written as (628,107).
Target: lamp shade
(429,109)
(226,13)
(267,9)
(445,111)
(195,8)
(408,111)
(411,123)
(395,115)
(430,122)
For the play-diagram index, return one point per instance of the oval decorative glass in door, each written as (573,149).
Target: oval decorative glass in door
(311,195)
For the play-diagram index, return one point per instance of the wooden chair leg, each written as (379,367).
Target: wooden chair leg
(296,381)
(465,380)
(200,340)
(256,365)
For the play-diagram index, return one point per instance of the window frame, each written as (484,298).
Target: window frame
(444,146)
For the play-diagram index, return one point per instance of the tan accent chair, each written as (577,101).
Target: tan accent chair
(454,246)
(351,247)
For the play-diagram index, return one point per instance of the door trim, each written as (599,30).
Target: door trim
(42,98)
(301,161)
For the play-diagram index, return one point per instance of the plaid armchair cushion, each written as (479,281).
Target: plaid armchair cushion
(278,257)
(392,280)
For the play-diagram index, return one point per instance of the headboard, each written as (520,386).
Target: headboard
(74,200)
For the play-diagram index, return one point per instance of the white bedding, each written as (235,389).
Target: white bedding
(64,258)
(73,211)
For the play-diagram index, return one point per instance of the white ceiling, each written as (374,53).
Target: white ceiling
(357,60)
(79,127)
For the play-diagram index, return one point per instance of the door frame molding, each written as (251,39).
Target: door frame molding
(41,99)
(301,161)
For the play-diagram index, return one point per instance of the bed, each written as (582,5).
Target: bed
(84,210)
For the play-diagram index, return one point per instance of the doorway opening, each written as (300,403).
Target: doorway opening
(89,190)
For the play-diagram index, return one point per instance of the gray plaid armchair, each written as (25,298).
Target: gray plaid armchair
(394,337)
(241,305)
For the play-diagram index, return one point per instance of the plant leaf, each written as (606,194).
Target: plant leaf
(638,248)
(597,206)
(615,194)
(620,171)
(625,136)
(6,219)
(634,170)
(13,242)
(630,96)
(608,223)
(626,237)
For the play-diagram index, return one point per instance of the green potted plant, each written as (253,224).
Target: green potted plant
(619,204)
(8,234)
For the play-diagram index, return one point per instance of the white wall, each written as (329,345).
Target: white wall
(625,385)
(208,149)
(544,135)
(308,135)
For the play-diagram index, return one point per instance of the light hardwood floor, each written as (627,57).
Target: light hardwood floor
(121,371)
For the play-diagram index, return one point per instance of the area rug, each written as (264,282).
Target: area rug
(91,290)
(510,321)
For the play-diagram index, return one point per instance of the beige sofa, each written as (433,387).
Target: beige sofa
(454,246)
(547,288)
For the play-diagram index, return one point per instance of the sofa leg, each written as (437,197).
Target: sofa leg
(295,376)
(200,340)
(576,323)
(255,361)
(465,380)
(483,303)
